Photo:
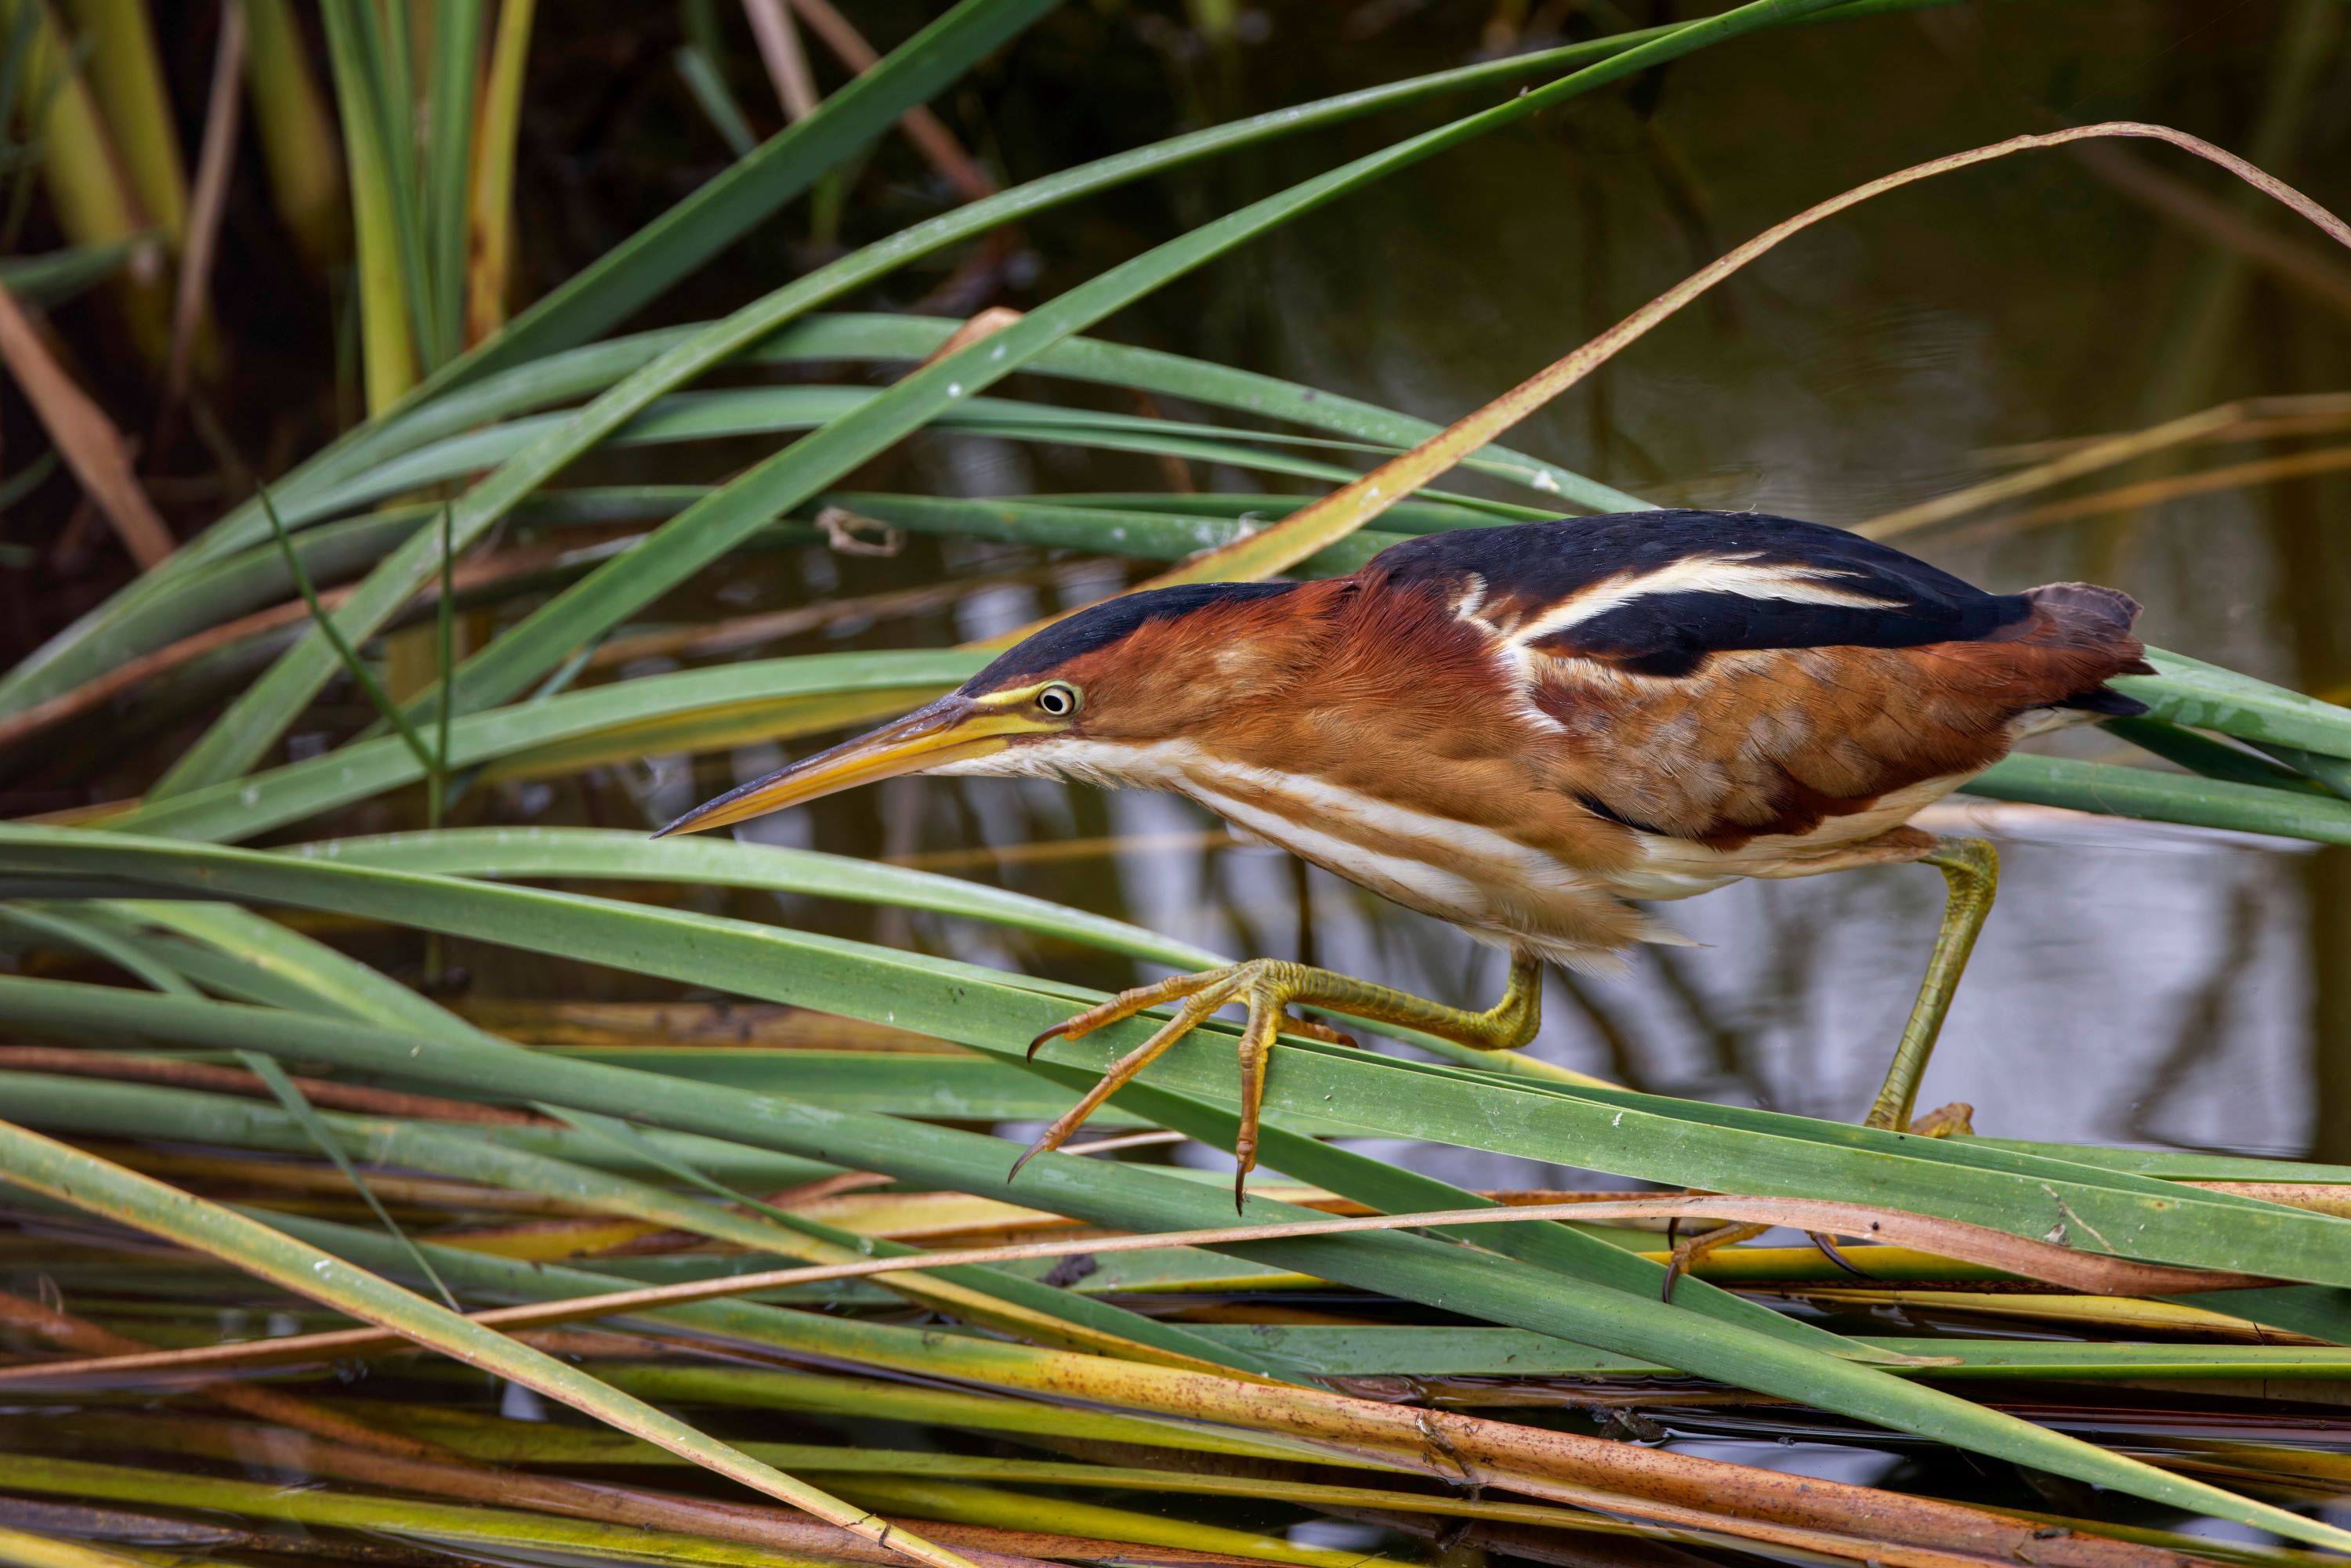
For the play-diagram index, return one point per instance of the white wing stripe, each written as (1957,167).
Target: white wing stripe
(1699,574)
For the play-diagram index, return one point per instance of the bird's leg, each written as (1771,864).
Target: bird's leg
(1970,869)
(1507,1025)
(1270,987)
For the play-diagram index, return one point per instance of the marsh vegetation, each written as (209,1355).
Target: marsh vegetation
(446,440)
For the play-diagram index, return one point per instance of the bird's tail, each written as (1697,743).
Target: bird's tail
(2087,605)
(2089,628)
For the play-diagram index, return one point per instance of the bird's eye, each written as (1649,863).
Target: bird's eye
(1058,700)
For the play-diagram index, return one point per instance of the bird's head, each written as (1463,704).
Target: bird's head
(1087,696)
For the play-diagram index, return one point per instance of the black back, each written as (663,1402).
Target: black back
(1669,632)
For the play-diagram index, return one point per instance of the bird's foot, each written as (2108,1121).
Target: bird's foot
(1268,986)
(1688,1251)
(1954,1120)
(1943,1122)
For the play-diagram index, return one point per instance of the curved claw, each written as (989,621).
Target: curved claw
(1827,1246)
(1208,996)
(1269,1009)
(1269,987)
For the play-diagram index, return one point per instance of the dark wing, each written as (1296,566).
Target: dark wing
(1653,593)
(1720,676)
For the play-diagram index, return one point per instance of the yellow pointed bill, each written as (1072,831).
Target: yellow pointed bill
(956,728)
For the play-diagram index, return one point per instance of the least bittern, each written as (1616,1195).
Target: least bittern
(1528,731)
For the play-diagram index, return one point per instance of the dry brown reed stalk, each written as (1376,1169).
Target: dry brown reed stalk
(1654,1487)
(206,206)
(2310,271)
(1124,1141)
(766,1025)
(92,1184)
(2151,492)
(2110,1314)
(2319,1198)
(779,50)
(2055,463)
(930,136)
(980,324)
(1065,849)
(2046,1262)
(2077,460)
(470,576)
(303,1182)
(262,1403)
(2271,415)
(320,1092)
(443,1473)
(88,440)
(828,1187)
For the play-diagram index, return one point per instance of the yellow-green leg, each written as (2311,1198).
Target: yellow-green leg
(1970,869)
(1270,987)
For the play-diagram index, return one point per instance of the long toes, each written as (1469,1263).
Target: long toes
(1956,1119)
(1086,1023)
(1123,1070)
(1063,1125)
(1685,1258)
(1128,1003)
(1051,1138)
(1268,1012)
(1705,1244)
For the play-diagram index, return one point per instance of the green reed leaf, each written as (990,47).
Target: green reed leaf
(960,1002)
(472,1154)
(289,1094)
(353,665)
(65,1174)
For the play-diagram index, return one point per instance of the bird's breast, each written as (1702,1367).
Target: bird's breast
(1432,838)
